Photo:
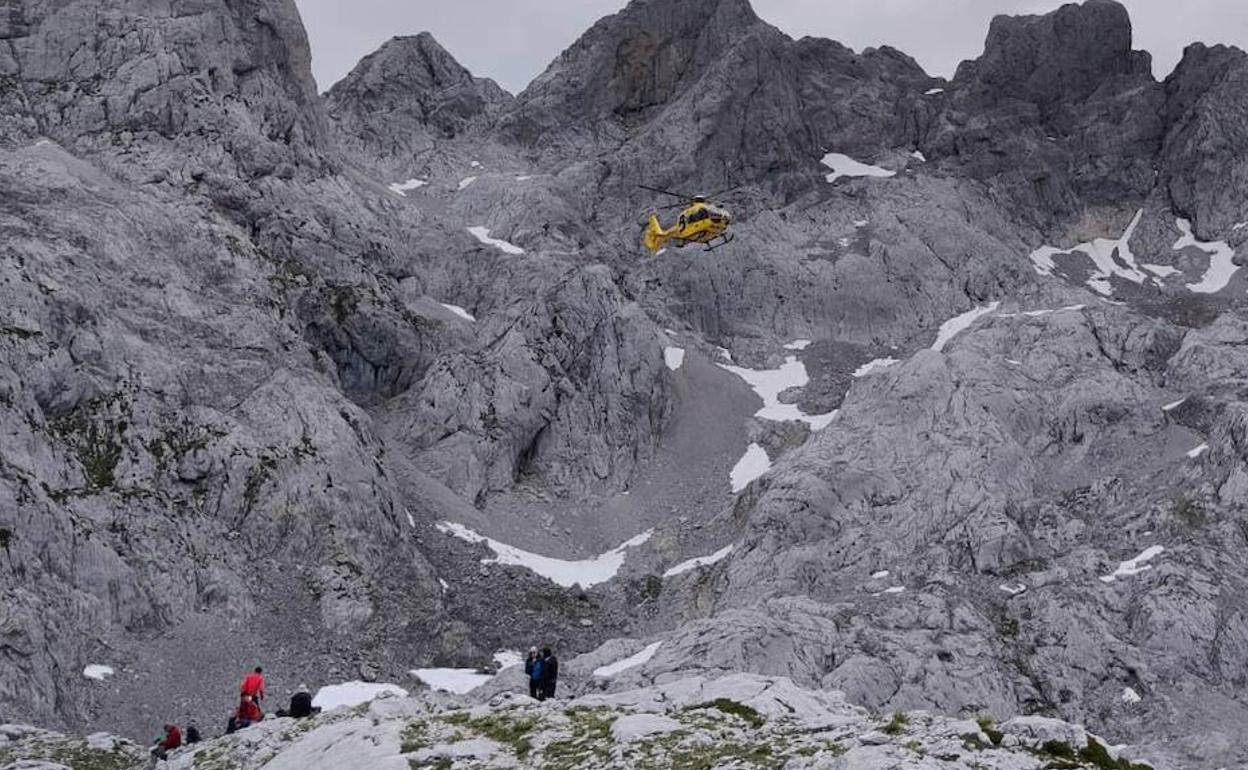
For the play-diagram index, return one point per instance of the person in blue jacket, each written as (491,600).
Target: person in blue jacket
(533,667)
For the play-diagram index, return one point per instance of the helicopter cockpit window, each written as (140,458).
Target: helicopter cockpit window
(698,216)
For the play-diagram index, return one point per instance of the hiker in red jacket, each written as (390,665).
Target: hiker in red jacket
(248,713)
(253,685)
(171,740)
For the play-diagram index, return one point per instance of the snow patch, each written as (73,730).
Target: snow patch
(401,189)
(445,585)
(919,156)
(98,672)
(463,183)
(411,522)
(475,164)
(770,383)
(798,345)
(523,178)
(954,326)
(1134,566)
(506,659)
(701,561)
(1240,225)
(453,680)
(1165,271)
(1047,311)
(843,165)
(1101,251)
(349,694)
(585,572)
(893,590)
(1221,256)
(876,365)
(459,311)
(1197,451)
(1174,405)
(880,575)
(861,222)
(632,661)
(933,91)
(1013,589)
(674,357)
(483,234)
(753,464)
(1130,696)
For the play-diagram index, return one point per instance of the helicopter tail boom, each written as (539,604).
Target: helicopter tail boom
(656,236)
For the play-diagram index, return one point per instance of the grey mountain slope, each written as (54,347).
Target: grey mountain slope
(229,380)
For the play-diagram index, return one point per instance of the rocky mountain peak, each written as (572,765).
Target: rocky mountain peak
(406,96)
(1056,57)
(640,58)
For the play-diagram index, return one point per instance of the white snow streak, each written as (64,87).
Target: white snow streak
(1038,313)
(411,522)
(1130,696)
(1013,589)
(1101,251)
(506,659)
(98,672)
(933,91)
(463,183)
(893,590)
(876,365)
(1174,405)
(700,561)
(918,155)
(454,680)
(1165,271)
(348,694)
(674,357)
(401,189)
(951,328)
(1134,566)
(585,572)
(1221,256)
(797,345)
(483,234)
(459,311)
(770,383)
(1197,451)
(753,464)
(843,165)
(632,661)
(880,575)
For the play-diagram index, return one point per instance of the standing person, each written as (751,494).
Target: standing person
(533,667)
(165,744)
(550,673)
(253,685)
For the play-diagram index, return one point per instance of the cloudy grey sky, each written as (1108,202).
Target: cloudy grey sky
(513,40)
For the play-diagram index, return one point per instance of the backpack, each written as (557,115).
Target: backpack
(192,734)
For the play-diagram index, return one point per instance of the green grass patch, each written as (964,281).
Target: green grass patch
(731,707)
(897,725)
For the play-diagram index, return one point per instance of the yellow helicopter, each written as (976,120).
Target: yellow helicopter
(700,222)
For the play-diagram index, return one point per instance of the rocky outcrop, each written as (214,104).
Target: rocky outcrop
(402,101)
(731,721)
(1204,158)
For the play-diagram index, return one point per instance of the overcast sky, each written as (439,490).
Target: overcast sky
(513,40)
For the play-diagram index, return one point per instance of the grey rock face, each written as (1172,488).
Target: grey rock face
(400,102)
(234,400)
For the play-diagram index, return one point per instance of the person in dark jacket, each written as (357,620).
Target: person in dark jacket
(300,704)
(549,674)
(165,744)
(533,668)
